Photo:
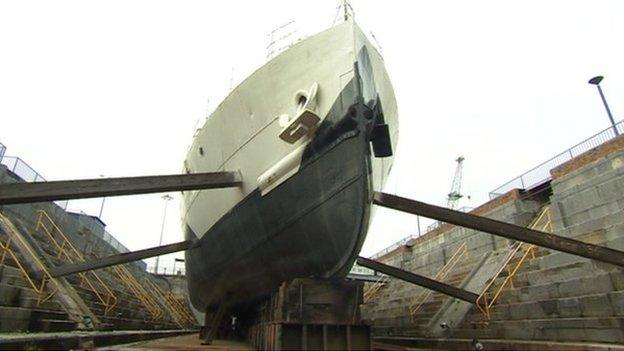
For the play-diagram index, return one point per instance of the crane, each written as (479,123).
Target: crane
(455,194)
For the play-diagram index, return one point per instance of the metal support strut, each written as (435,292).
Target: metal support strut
(418,280)
(19,193)
(114,260)
(510,231)
(212,324)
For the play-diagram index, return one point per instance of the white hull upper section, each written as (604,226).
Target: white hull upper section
(243,133)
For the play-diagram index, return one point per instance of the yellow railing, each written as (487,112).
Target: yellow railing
(180,301)
(43,293)
(179,311)
(457,256)
(373,289)
(65,250)
(147,300)
(543,223)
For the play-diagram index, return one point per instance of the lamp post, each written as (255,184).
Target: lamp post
(418,224)
(167,198)
(102,205)
(596,81)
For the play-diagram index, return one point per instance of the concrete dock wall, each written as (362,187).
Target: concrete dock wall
(390,310)
(555,296)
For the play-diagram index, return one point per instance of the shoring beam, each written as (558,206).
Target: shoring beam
(419,280)
(113,260)
(510,231)
(19,193)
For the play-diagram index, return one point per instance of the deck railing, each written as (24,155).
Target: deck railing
(281,38)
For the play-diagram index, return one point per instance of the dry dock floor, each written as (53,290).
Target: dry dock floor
(183,342)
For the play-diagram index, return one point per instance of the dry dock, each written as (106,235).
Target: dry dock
(492,292)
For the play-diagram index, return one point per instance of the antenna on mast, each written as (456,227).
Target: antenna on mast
(346,6)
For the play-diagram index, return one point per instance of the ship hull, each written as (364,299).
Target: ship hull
(313,222)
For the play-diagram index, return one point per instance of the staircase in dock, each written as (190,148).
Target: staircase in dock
(106,299)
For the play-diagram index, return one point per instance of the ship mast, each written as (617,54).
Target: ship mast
(345,7)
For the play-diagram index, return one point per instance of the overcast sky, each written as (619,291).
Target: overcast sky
(118,87)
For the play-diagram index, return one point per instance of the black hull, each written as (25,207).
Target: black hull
(313,225)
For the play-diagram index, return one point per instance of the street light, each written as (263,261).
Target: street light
(596,81)
(102,205)
(167,198)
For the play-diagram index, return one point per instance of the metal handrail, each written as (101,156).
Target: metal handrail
(280,36)
(67,249)
(178,311)
(515,249)
(482,301)
(157,292)
(394,246)
(177,301)
(461,251)
(40,288)
(139,292)
(541,172)
(181,309)
(373,289)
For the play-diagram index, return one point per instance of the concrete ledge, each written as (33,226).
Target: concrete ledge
(488,344)
(588,157)
(82,340)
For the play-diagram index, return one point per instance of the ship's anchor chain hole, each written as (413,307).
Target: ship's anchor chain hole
(306,119)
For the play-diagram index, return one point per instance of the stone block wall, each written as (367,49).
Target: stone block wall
(390,308)
(554,296)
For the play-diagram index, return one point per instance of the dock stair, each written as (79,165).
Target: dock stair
(113,298)
(30,298)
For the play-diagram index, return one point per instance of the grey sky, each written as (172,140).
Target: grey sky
(117,88)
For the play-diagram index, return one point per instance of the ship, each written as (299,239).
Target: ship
(313,133)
